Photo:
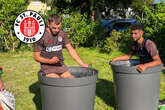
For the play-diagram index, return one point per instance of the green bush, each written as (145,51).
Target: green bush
(154,25)
(118,41)
(98,37)
(9,10)
(77,28)
(82,31)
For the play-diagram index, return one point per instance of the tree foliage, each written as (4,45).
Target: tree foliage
(82,31)
(138,6)
(9,10)
(87,6)
(154,24)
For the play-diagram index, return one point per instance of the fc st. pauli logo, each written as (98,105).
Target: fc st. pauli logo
(29,26)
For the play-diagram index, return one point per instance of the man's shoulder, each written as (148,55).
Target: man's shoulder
(149,42)
(46,36)
(62,33)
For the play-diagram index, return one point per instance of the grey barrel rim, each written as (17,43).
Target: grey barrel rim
(90,76)
(129,67)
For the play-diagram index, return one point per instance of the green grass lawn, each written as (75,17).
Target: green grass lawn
(20,77)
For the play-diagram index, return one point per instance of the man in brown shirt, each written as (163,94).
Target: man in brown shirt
(48,51)
(145,48)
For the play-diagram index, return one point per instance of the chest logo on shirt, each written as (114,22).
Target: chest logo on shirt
(60,39)
(54,48)
(49,41)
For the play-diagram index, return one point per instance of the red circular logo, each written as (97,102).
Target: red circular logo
(29,27)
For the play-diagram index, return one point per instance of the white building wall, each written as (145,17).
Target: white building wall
(38,6)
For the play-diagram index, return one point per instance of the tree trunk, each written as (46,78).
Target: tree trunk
(4,37)
(6,45)
(14,42)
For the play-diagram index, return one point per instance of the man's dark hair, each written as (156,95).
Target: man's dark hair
(55,18)
(137,27)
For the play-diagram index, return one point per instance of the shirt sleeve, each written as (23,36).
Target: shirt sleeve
(151,48)
(38,46)
(65,39)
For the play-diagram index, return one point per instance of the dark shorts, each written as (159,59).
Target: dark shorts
(57,68)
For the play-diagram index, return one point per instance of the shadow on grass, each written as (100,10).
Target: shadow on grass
(163,70)
(105,90)
(35,89)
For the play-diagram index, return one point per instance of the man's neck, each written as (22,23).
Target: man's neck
(140,41)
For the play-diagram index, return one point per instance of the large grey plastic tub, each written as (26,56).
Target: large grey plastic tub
(135,90)
(69,94)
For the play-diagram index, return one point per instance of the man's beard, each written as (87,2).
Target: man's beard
(54,33)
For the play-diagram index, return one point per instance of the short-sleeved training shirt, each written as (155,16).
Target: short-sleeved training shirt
(149,46)
(51,46)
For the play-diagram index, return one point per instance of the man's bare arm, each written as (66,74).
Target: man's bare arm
(124,57)
(156,61)
(41,59)
(74,55)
